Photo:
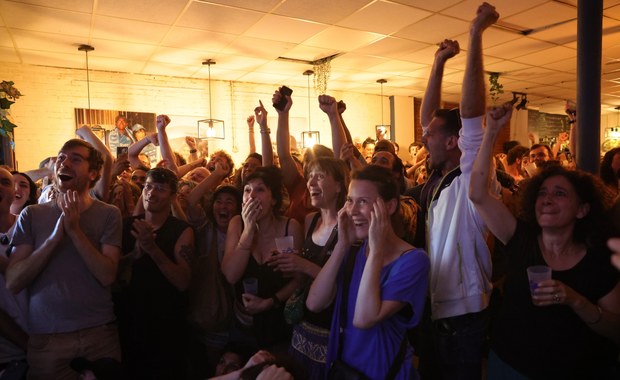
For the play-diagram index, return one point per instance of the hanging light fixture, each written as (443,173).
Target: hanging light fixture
(86,49)
(210,128)
(382,129)
(310,138)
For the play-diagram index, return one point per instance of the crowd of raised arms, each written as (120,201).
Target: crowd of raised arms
(329,263)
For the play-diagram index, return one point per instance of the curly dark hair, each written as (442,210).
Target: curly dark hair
(272,178)
(32,192)
(606,172)
(589,189)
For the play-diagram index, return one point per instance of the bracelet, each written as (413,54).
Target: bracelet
(571,122)
(265,130)
(598,319)
(192,151)
(276,301)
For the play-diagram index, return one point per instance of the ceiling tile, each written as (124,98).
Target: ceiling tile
(505,66)
(355,61)
(40,41)
(195,39)
(219,73)
(271,79)
(9,55)
(71,5)
(126,50)
(391,47)
(256,47)
(262,5)
(435,5)
(323,11)
(218,18)
(567,66)
(546,56)
(281,28)
(543,15)
(428,31)
(161,12)
(113,28)
(169,69)
(466,10)
(309,53)
(231,62)
(394,67)
(282,67)
(373,17)
(34,57)
(342,39)
(46,20)
(5,38)
(517,48)
(179,56)
(425,72)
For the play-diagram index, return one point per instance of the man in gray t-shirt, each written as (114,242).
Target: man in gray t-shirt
(66,254)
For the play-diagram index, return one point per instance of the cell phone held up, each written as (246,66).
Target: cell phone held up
(284,91)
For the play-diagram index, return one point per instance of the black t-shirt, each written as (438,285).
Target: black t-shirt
(551,341)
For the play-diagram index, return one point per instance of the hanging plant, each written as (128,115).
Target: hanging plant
(495,88)
(8,96)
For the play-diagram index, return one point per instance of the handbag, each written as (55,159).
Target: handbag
(339,370)
(295,304)
(210,295)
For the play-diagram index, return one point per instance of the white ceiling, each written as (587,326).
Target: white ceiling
(376,39)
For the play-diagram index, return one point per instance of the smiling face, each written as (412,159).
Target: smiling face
(360,200)
(249,166)
(224,208)
(72,170)
(257,190)
(323,189)
(557,204)
(157,197)
(22,193)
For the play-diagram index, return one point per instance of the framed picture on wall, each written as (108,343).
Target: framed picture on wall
(119,129)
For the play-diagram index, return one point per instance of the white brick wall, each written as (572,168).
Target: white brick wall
(45,115)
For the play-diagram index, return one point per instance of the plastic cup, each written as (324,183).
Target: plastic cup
(250,285)
(285,244)
(536,274)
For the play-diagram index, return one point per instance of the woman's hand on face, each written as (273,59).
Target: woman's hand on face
(346,229)
(289,262)
(254,304)
(250,211)
(554,292)
(380,225)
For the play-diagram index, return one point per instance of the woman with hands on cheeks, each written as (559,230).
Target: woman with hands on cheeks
(387,284)
(566,327)
(250,245)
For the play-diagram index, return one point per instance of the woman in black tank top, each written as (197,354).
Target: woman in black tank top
(327,182)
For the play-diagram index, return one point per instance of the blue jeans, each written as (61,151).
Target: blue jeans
(461,343)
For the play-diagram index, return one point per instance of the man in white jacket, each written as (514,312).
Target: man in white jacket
(460,285)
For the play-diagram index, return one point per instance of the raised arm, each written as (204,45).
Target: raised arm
(208,184)
(493,211)
(329,105)
(265,134)
(432,95)
(250,121)
(164,145)
(136,148)
(102,187)
(473,96)
(290,173)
